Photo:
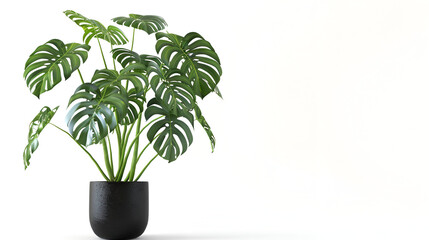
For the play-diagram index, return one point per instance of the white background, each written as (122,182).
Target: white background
(323,131)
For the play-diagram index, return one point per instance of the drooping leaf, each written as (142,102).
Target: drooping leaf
(106,78)
(195,57)
(172,88)
(93,28)
(51,62)
(147,23)
(92,116)
(36,126)
(169,131)
(206,126)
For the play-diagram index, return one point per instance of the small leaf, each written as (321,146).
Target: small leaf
(93,28)
(36,126)
(206,126)
(147,23)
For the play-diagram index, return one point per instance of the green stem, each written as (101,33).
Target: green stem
(114,64)
(111,155)
(144,169)
(119,177)
(136,149)
(102,54)
(132,42)
(89,154)
(80,74)
(147,145)
(106,159)
(119,140)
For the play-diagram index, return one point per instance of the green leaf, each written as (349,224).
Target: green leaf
(206,126)
(92,116)
(169,131)
(36,126)
(52,61)
(147,23)
(172,88)
(127,57)
(93,28)
(195,57)
(106,78)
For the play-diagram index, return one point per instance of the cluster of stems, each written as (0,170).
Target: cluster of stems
(125,146)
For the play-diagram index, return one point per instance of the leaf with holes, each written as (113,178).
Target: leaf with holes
(106,78)
(147,23)
(200,118)
(91,118)
(127,57)
(171,87)
(110,78)
(195,57)
(51,62)
(93,28)
(36,126)
(169,131)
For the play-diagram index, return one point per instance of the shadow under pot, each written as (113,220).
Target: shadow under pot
(118,210)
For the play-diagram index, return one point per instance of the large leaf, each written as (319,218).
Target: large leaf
(195,57)
(92,116)
(52,61)
(169,131)
(36,126)
(206,126)
(172,88)
(93,28)
(106,78)
(147,23)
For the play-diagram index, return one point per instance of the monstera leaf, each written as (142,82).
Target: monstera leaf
(94,28)
(147,23)
(135,106)
(92,116)
(168,130)
(172,88)
(36,126)
(200,118)
(195,57)
(106,78)
(52,61)
(127,57)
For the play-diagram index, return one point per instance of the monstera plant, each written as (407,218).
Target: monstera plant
(137,95)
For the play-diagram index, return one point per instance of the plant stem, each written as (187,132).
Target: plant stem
(106,159)
(144,169)
(80,74)
(89,154)
(136,149)
(132,42)
(114,65)
(102,54)
(111,155)
(121,172)
(147,145)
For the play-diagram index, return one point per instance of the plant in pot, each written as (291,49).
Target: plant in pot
(112,106)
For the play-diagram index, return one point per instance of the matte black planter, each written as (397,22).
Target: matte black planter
(118,210)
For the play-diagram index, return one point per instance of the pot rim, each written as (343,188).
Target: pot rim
(119,182)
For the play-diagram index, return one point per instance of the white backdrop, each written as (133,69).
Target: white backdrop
(322,133)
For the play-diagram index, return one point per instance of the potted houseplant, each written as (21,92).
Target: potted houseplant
(112,106)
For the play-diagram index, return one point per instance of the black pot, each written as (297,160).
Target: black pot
(118,210)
